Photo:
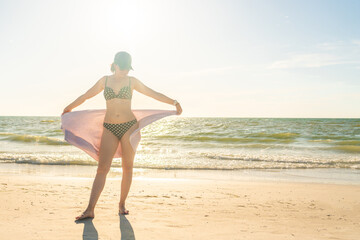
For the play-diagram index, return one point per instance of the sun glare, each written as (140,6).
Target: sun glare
(120,19)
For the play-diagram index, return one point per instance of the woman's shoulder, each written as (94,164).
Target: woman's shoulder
(103,79)
(133,79)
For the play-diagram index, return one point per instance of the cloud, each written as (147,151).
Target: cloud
(356,42)
(209,70)
(330,45)
(324,54)
(306,61)
(309,61)
(220,70)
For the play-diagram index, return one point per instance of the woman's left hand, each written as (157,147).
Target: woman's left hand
(178,109)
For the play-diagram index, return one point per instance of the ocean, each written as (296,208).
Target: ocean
(198,143)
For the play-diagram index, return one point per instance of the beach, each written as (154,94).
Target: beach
(216,178)
(41,202)
(239,120)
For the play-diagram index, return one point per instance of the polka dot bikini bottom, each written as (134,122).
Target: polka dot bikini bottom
(119,129)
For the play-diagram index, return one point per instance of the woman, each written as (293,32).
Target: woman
(119,123)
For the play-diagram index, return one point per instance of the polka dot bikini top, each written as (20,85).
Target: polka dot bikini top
(124,93)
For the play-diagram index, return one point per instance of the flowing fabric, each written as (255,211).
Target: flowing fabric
(84,128)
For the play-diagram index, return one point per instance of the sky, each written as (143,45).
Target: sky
(218,58)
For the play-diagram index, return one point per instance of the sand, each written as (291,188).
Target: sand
(44,207)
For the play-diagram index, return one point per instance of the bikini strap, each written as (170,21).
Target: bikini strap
(129,82)
(105,81)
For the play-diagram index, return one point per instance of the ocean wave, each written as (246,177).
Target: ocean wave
(321,140)
(224,139)
(331,137)
(332,141)
(274,165)
(329,163)
(348,142)
(49,121)
(192,160)
(283,135)
(49,162)
(346,148)
(33,138)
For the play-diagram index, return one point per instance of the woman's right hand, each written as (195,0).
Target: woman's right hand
(67,109)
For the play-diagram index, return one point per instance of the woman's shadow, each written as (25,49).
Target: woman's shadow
(127,232)
(90,232)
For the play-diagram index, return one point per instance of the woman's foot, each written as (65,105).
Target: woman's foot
(123,210)
(86,214)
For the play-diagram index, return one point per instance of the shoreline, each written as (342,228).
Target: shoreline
(313,175)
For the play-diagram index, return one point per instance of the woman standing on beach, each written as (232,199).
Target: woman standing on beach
(119,123)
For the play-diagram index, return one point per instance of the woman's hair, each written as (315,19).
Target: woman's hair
(113,67)
(123,60)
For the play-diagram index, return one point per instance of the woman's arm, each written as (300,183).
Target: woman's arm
(142,88)
(93,91)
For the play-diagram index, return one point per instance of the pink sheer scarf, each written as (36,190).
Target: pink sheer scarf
(84,128)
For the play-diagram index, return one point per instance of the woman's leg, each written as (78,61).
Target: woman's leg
(127,162)
(108,146)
